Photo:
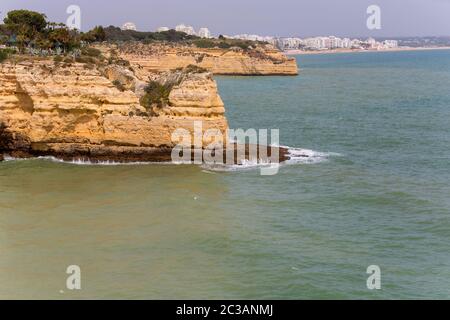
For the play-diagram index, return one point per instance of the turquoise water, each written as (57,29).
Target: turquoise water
(379,196)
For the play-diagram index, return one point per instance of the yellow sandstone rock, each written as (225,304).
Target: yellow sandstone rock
(235,61)
(73,111)
(93,111)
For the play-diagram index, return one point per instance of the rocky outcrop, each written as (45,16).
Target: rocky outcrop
(76,111)
(235,61)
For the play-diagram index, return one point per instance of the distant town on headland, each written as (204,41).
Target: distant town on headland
(319,43)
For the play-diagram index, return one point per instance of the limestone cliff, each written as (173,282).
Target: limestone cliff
(234,61)
(75,111)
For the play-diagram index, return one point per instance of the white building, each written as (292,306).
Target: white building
(290,43)
(317,43)
(162,29)
(346,43)
(204,33)
(334,42)
(356,43)
(129,26)
(186,29)
(371,42)
(271,40)
(390,43)
(251,37)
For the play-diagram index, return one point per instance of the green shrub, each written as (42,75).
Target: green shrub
(5,53)
(156,94)
(58,59)
(204,43)
(192,68)
(119,85)
(96,34)
(224,45)
(91,52)
(244,44)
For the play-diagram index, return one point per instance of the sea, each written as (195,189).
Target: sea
(374,194)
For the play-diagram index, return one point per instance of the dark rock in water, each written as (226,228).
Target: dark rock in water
(238,154)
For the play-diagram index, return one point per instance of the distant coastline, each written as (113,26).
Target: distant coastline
(302,52)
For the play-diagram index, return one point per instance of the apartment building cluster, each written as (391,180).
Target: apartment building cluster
(307,44)
(202,32)
(253,37)
(332,42)
(320,43)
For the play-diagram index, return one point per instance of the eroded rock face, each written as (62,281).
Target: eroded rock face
(160,58)
(75,111)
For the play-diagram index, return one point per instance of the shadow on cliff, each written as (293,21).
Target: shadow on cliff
(5,138)
(25,101)
(13,143)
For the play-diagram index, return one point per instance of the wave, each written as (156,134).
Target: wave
(296,155)
(83,162)
(299,155)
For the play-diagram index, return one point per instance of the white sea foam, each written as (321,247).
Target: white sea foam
(84,162)
(296,155)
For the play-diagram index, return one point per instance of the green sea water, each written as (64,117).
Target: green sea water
(378,193)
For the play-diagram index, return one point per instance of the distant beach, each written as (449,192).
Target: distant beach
(297,52)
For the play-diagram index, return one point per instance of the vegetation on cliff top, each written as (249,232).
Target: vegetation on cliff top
(114,34)
(31,30)
(5,53)
(157,92)
(224,43)
(192,68)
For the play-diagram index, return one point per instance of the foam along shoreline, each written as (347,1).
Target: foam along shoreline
(301,52)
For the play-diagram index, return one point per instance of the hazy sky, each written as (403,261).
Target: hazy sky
(264,17)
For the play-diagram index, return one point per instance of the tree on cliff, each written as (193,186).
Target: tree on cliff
(26,25)
(96,34)
(59,35)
